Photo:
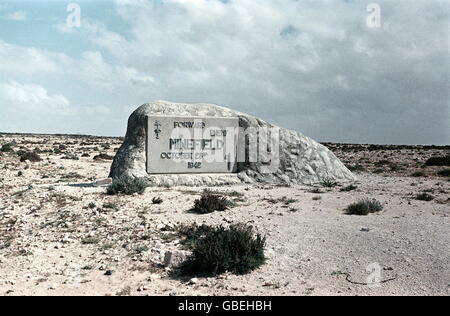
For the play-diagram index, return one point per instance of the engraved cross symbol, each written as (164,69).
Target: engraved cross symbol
(157,129)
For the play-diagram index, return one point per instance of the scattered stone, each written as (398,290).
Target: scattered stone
(193,281)
(154,277)
(174,258)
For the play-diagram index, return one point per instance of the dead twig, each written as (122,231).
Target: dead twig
(347,278)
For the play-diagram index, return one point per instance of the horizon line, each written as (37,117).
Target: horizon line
(446,146)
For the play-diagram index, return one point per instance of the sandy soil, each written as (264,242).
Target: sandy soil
(60,235)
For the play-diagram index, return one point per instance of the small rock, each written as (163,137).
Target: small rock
(193,281)
(161,226)
(269,254)
(175,258)
(154,277)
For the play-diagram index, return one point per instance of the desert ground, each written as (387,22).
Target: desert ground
(62,235)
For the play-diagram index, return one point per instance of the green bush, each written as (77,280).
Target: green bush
(110,206)
(89,241)
(364,207)
(394,167)
(70,156)
(438,161)
(7,147)
(383,162)
(424,197)
(210,202)
(217,250)
(285,200)
(127,185)
(444,173)
(103,157)
(418,174)
(349,188)
(329,183)
(157,200)
(190,234)
(30,156)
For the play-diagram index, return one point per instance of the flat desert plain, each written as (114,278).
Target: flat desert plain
(62,235)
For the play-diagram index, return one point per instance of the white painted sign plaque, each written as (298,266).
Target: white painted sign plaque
(178,144)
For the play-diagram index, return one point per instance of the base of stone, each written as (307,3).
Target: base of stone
(214,179)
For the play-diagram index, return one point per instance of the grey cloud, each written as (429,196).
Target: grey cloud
(313,66)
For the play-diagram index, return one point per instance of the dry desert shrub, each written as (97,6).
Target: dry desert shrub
(127,185)
(9,147)
(364,207)
(30,156)
(424,197)
(210,202)
(438,161)
(349,188)
(444,173)
(329,183)
(418,174)
(70,156)
(157,200)
(103,157)
(215,250)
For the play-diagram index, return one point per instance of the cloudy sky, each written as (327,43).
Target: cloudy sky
(315,66)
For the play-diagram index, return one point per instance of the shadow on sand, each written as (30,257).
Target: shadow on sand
(82,185)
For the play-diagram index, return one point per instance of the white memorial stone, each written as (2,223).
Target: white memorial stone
(293,158)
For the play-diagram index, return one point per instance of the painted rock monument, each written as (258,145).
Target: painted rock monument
(204,144)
